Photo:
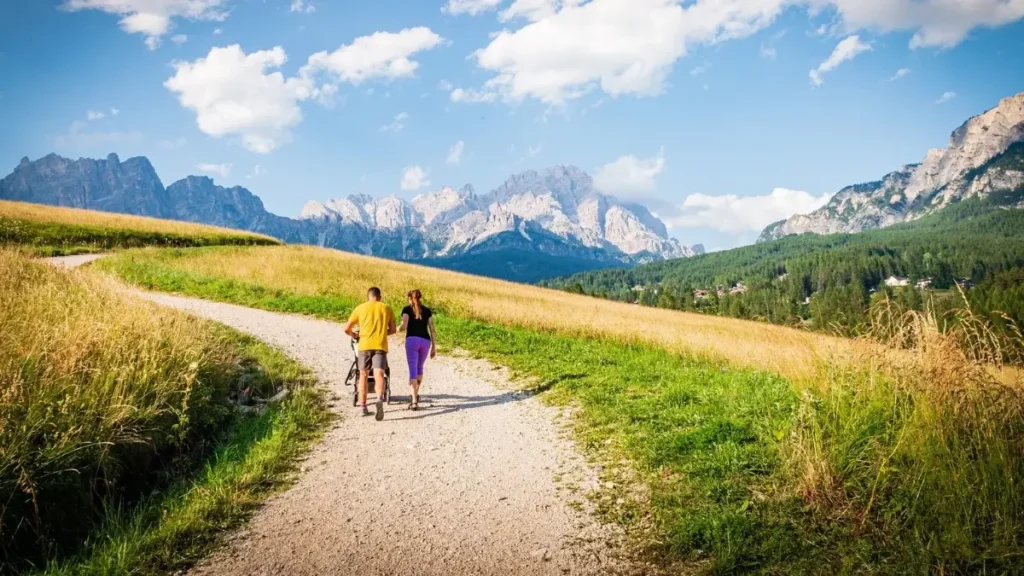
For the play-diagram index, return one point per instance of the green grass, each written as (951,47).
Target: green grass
(908,468)
(181,523)
(62,239)
(703,437)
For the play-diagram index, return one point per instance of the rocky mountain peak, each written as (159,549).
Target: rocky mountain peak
(966,168)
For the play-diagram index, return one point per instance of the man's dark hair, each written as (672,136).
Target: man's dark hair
(374,292)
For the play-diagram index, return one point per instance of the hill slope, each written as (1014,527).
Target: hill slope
(834,275)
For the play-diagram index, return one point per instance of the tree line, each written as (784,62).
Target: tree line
(970,254)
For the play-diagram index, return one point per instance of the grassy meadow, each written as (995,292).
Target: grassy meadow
(120,448)
(52,231)
(731,446)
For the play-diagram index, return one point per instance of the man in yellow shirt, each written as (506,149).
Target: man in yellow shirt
(375,322)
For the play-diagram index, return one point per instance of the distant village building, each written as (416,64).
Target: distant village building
(738,289)
(924,284)
(639,288)
(965,283)
(783,276)
(701,294)
(896,281)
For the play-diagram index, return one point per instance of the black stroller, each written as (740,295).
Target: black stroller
(371,385)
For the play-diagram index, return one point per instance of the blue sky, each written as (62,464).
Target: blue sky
(701,109)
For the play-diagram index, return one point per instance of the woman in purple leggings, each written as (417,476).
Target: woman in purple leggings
(420,341)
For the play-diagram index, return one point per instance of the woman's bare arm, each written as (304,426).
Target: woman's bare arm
(405,323)
(433,337)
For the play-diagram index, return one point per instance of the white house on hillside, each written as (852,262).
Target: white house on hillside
(896,281)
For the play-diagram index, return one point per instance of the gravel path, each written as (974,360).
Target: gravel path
(466,485)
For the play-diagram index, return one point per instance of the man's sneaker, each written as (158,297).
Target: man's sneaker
(366,411)
(380,410)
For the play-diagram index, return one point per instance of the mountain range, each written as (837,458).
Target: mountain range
(984,159)
(535,225)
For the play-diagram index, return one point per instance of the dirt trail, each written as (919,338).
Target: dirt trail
(466,485)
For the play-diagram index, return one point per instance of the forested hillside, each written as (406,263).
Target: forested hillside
(829,281)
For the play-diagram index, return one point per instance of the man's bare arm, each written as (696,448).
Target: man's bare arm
(349,328)
(392,328)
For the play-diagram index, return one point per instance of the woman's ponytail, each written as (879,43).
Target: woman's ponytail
(417,308)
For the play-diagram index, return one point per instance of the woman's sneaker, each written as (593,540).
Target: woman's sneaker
(380,410)
(366,411)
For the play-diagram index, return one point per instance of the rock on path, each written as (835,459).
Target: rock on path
(466,485)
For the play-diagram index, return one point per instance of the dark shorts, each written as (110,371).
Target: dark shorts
(373,359)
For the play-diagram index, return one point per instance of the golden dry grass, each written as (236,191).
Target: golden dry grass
(123,223)
(315,271)
(94,385)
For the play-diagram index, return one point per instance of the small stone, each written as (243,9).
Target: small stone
(279,396)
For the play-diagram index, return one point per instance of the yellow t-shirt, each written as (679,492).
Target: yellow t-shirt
(373,319)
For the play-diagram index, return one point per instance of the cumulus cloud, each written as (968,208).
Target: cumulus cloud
(946,97)
(79,137)
(455,153)
(731,213)
(471,7)
(179,39)
(899,74)
(94,115)
(222,170)
(629,176)
(237,94)
(936,23)
(152,18)
(559,50)
(847,49)
(397,124)
(302,7)
(414,178)
(380,55)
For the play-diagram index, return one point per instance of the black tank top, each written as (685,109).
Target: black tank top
(417,328)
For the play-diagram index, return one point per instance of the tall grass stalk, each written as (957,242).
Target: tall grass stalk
(102,398)
(920,450)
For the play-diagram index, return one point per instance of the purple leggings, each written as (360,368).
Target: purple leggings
(416,352)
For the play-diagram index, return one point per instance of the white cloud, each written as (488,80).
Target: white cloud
(697,71)
(256,172)
(397,124)
(471,7)
(223,170)
(179,39)
(629,176)
(532,10)
(152,18)
(379,55)
(768,52)
(414,178)
(302,7)
(731,213)
(563,49)
(621,46)
(847,49)
(114,111)
(233,94)
(445,86)
(217,31)
(936,23)
(899,74)
(472,96)
(94,115)
(946,97)
(455,153)
(78,137)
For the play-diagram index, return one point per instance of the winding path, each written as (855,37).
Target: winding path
(466,485)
